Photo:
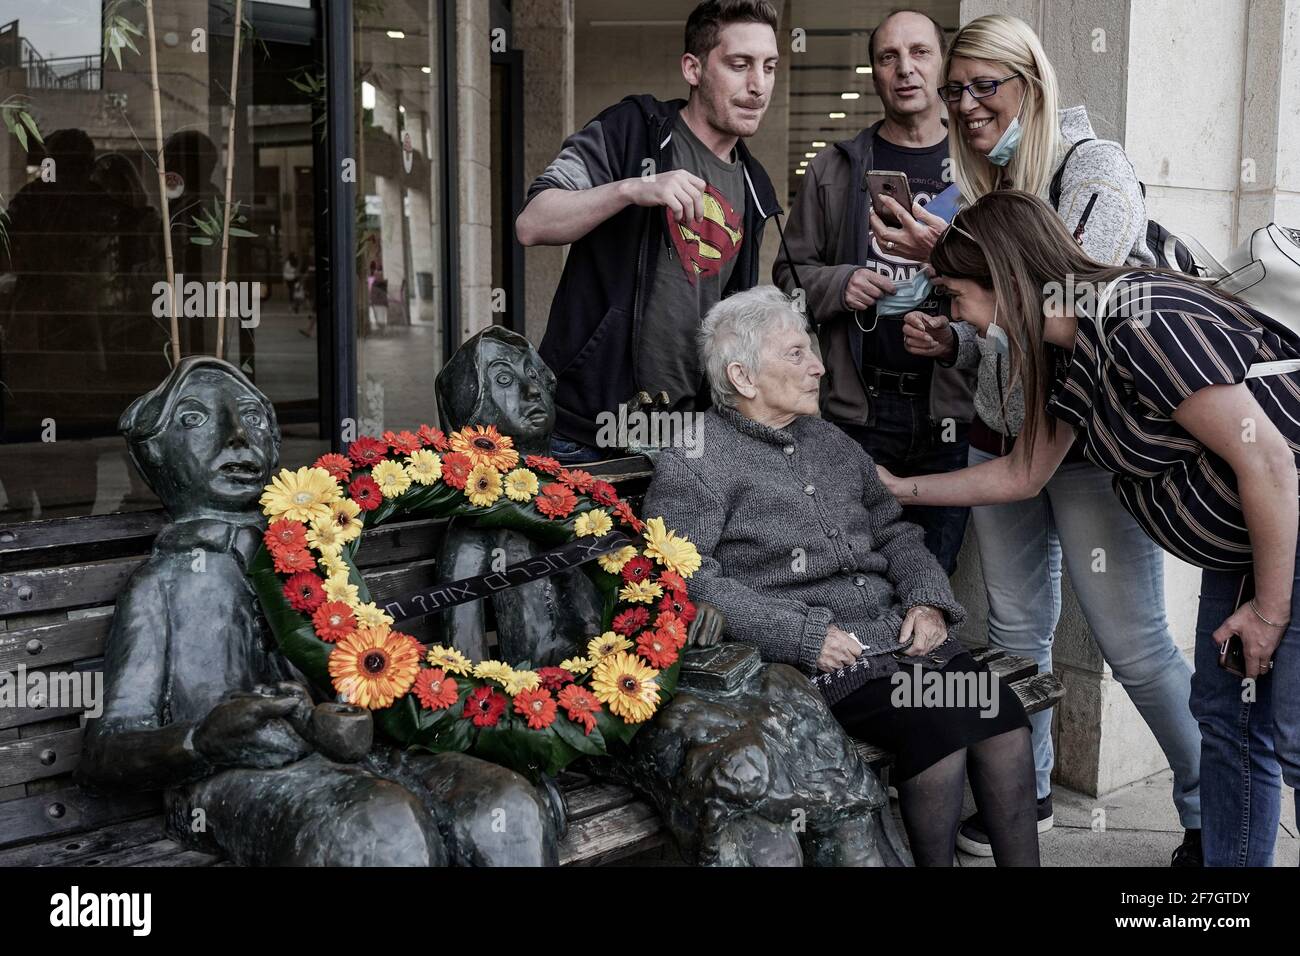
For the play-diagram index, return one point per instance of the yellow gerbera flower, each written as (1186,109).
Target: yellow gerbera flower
(592,524)
(608,643)
(449,659)
(486,446)
(370,615)
(627,686)
(374,667)
(333,564)
(483,486)
(424,467)
(521,680)
(347,518)
(324,537)
(498,671)
(577,665)
(391,478)
(646,592)
(613,563)
(303,495)
(521,485)
(339,588)
(674,553)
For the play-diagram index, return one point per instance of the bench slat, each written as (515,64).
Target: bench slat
(34,758)
(390,583)
(609,836)
(56,643)
(596,798)
(70,849)
(69,810)
(52,541)
(62,588)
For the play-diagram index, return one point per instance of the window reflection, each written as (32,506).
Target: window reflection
(83,328)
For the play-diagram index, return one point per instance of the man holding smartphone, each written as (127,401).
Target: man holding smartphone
(909,412)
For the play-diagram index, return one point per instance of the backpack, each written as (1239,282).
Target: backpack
(1170,251)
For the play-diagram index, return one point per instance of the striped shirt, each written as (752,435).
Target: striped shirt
(1165,340)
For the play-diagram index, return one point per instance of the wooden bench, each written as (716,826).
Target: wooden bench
(58,581)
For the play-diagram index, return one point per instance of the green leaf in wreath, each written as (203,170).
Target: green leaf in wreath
(593,744)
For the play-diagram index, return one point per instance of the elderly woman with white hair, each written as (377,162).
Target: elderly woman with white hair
(805,553)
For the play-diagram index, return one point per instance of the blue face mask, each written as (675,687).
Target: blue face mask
(1009,142)
(907,296)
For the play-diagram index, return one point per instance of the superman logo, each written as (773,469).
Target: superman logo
(706,245)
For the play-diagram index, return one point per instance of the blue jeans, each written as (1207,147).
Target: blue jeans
(570,453)
(1118,575)
(1247,748)
(905,441)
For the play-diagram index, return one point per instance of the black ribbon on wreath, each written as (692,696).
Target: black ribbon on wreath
(418,604)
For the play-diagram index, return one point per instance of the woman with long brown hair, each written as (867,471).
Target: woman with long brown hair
(1163,383)
(1006,132)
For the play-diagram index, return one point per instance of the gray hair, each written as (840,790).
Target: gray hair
(735,329)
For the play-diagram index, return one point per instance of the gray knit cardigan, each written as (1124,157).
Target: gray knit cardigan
(797,532)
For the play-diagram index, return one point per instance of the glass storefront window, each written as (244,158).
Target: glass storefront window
(400,214)
(83,329)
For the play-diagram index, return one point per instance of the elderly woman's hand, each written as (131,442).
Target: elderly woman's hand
(925,627)
(918,235)
(840,650)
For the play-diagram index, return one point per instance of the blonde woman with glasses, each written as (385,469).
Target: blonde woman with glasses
(1007,132)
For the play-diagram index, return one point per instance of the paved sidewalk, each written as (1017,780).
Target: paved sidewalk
(1140,828)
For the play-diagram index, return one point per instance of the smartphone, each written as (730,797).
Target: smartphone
(1232,656)
(883,182)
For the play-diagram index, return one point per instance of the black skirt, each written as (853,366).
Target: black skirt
(922,716)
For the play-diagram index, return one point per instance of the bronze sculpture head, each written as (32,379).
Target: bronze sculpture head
(497,378)
(206,439)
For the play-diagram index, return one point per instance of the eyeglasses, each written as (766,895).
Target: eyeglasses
(980,89)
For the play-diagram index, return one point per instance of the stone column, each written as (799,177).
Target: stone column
(543,30)
(474,117)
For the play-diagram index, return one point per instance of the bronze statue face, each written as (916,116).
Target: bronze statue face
(518,393)
(217,448)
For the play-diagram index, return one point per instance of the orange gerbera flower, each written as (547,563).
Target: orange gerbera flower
(486,446)
(657,647)
(537,707)
(285,535)
(577,479)
(625,514)
(432,437)
(456,468)
(435,690)
(337,465)
(555,500)
(581,706)
(291,562)
(672,627)
(334,621)
(403,442)
(374,666)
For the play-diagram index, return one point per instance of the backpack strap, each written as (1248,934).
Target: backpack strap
(1055,192)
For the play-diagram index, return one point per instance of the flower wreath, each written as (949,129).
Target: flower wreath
(532,720)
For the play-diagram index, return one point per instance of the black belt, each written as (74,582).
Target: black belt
(912,384)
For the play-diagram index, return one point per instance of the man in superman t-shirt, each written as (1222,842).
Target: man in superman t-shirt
(691,273)
(663,207)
